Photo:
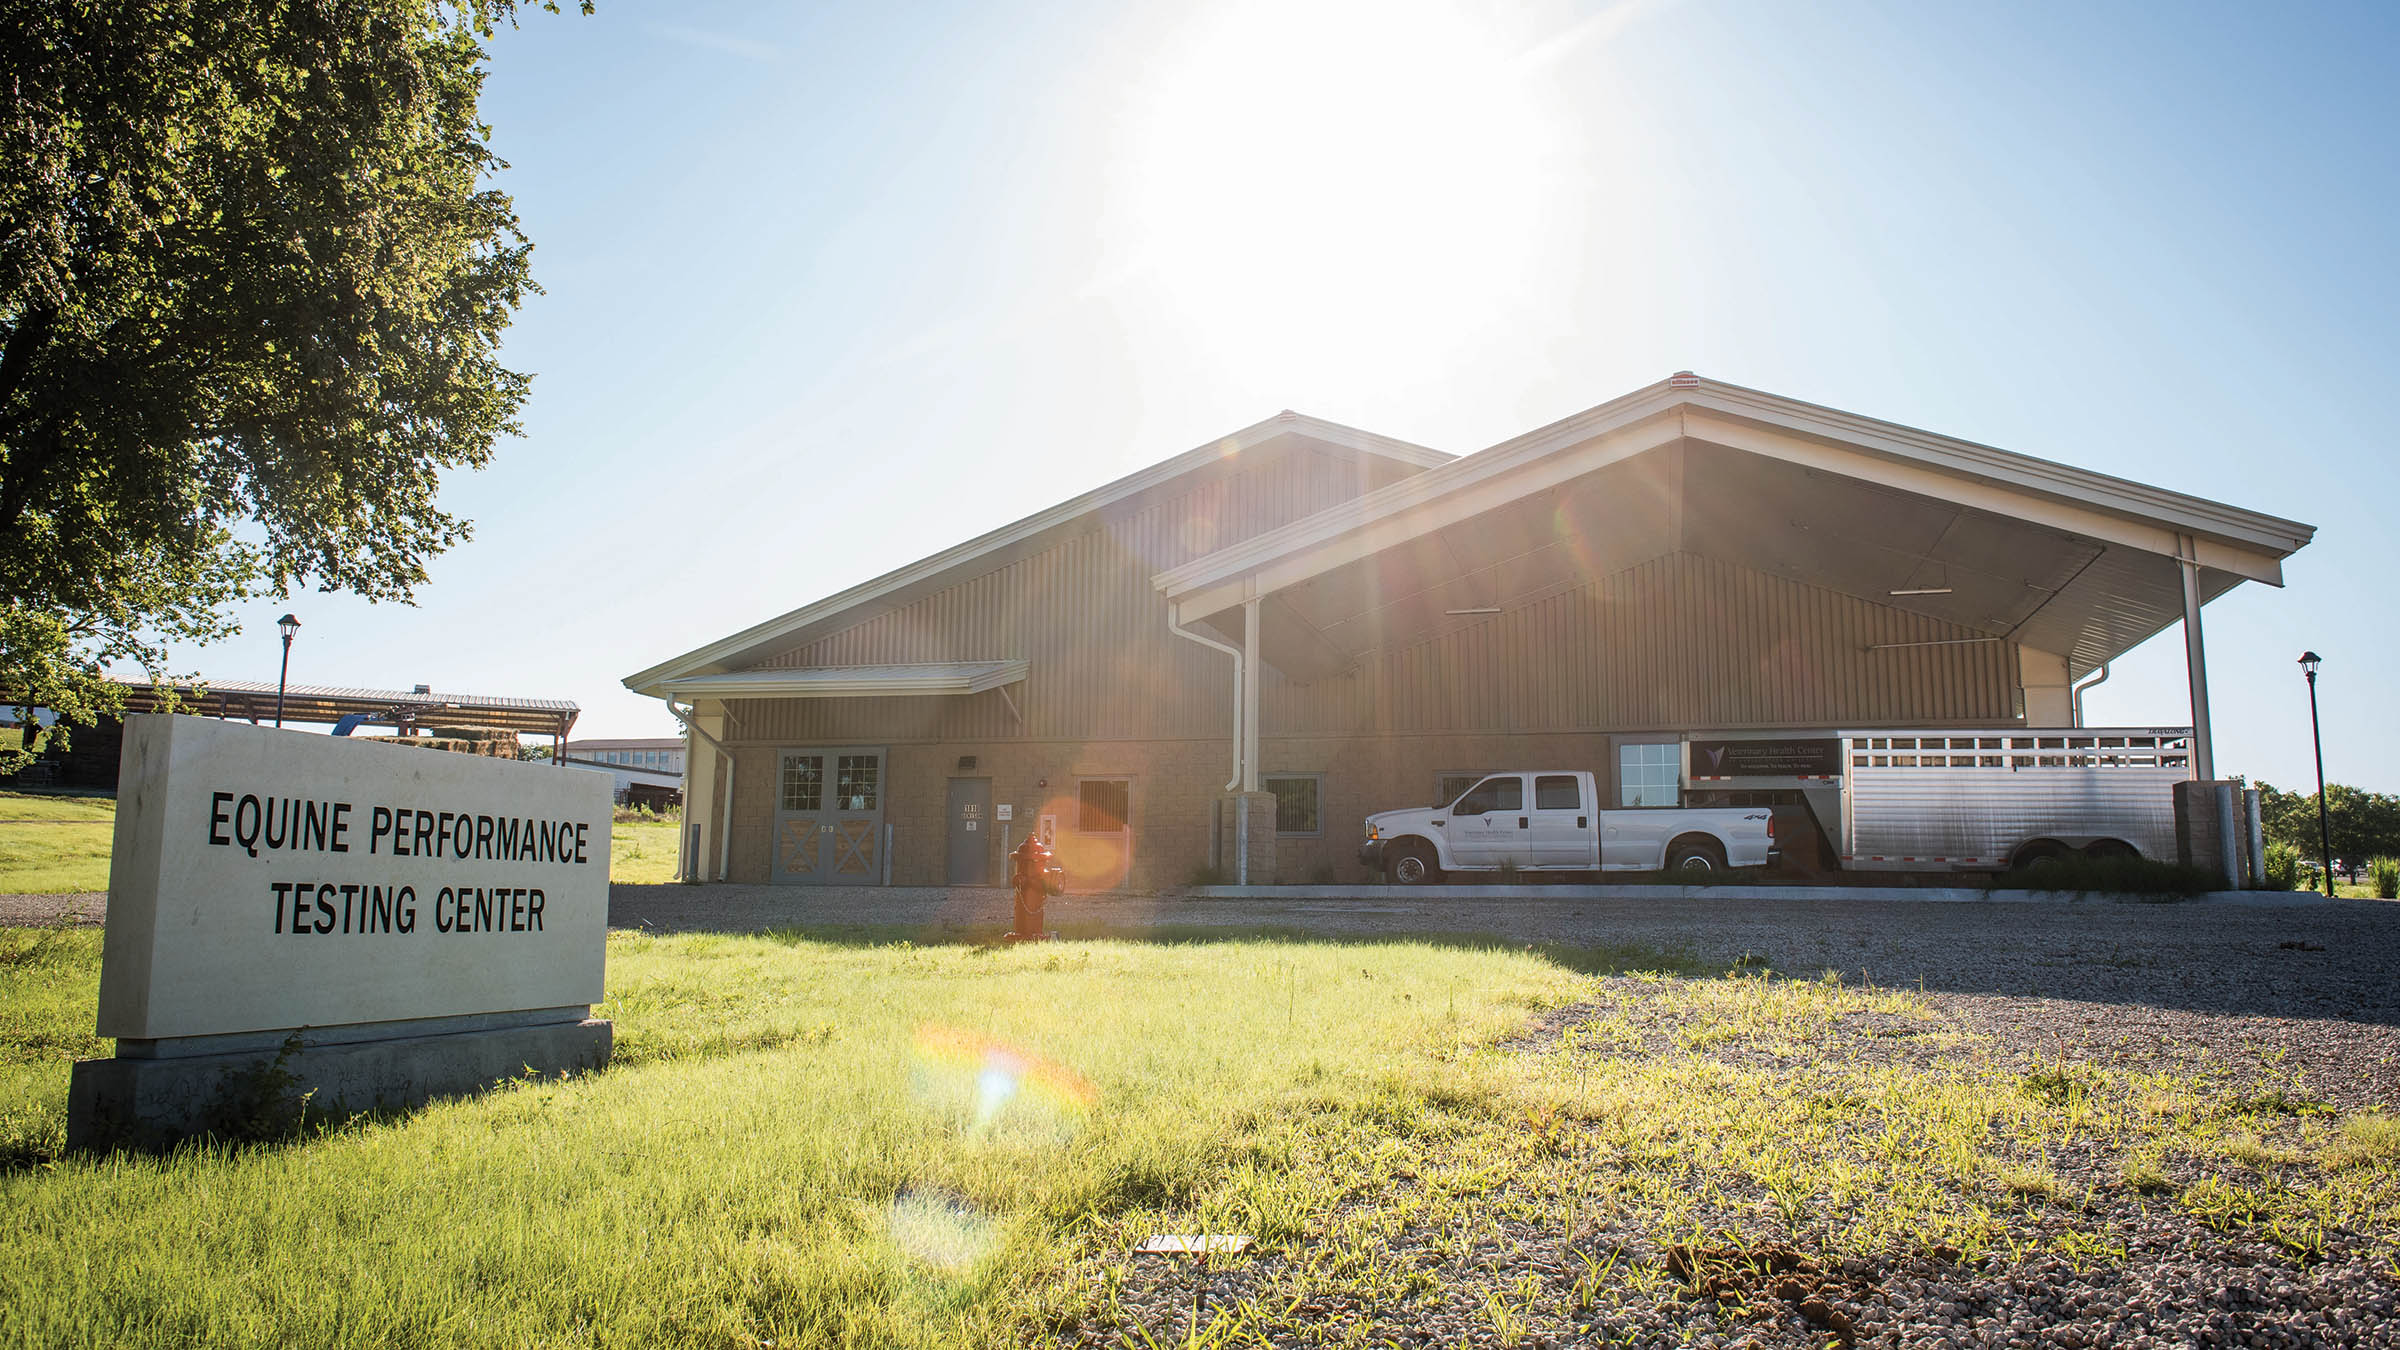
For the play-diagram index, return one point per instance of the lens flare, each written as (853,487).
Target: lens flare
(996,1077)
(940,1231)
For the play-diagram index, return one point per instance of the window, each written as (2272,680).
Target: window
(1505,793)
(854,782)
(1649,775)
(1556,792)
(1447,787)
(803,782)
(1103,805)
(1296,797)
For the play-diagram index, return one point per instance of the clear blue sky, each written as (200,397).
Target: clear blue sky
(833,287)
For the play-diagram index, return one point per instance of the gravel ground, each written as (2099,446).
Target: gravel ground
(2305,990)
(85,908)
(2305,959)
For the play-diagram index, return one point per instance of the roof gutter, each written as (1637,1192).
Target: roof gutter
(2076,695)
(1235,784)
(725,812)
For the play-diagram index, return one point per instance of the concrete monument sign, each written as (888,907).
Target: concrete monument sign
(425,922)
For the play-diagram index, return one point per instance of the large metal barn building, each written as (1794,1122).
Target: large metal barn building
(1228,659)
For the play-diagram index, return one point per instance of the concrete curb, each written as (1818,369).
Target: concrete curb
(1956,895)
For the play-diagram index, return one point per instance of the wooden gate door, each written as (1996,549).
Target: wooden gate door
(829,817)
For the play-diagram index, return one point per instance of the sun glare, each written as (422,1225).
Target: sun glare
(1337,172)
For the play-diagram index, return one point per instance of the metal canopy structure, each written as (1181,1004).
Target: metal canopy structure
(1999,547)
(254,701)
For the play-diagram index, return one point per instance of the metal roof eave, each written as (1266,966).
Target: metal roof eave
(715,655)
(2158,507)
(957,677)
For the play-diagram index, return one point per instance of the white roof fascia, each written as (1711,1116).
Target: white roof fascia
(2179,511)
(653,680)
(1200,586)
(948,677)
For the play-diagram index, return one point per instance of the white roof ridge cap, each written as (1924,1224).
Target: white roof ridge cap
(1624,410)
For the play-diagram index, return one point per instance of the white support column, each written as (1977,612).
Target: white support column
(2195,660)
(1250,682)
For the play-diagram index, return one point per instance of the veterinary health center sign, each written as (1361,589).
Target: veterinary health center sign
(265,880)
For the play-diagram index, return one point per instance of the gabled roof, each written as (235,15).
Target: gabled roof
(1482,479)
(2056,558)
(760,639)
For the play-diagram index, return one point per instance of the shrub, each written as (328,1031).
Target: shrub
(2386,874)
(2115,876)
(2283,868)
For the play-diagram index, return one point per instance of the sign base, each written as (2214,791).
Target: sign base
(156,1092)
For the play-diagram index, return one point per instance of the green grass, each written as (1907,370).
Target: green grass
(62,843)
(55,843)
(642,852)
(809,1143)
(797,1145)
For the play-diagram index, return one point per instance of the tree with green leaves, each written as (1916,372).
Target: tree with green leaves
(253,281)
(2363,824)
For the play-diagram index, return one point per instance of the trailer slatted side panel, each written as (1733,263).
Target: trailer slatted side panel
(1968,802)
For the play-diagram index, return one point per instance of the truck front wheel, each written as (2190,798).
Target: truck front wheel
(1694,859)
(1412,864)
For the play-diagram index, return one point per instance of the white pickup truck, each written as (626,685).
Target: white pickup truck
(1550,821)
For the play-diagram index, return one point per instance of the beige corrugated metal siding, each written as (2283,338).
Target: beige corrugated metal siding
(1679,641)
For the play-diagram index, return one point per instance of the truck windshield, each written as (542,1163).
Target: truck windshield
(1492,794)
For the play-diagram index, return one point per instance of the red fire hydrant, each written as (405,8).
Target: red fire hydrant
(1035,876)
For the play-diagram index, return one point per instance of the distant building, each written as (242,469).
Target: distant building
(647,772)
(662,754)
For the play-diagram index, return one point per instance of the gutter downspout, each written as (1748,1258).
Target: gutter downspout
(725,812)
(1235,784)
(2075,696)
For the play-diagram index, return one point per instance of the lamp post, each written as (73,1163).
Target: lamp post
(290,625)
(2308,665)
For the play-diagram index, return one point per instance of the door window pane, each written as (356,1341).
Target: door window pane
(1448,787)
(803,782)
(1649,775)
(1556,792)
(1103,805)
(854,782)
(1494,794)
(1295,804)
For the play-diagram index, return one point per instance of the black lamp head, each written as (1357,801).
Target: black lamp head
(2308,663)
(289,625)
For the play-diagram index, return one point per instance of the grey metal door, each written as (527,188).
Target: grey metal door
(970,816)
(829,817)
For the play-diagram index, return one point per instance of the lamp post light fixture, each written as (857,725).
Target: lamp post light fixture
(289,626)
(2308,665)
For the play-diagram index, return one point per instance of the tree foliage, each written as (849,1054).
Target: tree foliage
(253,280)
(2363,824)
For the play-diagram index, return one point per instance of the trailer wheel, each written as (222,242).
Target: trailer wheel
(1412,864)
(1695,859)
(2035,857)
(2110,848)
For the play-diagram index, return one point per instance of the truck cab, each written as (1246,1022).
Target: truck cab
(1548,820)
